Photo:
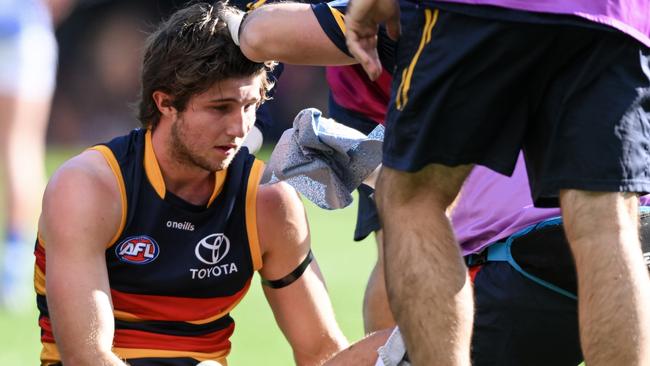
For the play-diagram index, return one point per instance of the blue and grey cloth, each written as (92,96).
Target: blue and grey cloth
(324,160)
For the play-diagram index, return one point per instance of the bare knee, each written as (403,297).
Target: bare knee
(588,212)
(434,185)
(592,216)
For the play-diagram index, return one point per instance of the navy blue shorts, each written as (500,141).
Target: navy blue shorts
(526,312)
(477,87)
(367,215)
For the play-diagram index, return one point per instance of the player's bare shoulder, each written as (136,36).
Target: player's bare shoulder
(280,215)
(84,191)
(86,171)
(277,197)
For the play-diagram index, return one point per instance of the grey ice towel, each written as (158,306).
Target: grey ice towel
(324,160)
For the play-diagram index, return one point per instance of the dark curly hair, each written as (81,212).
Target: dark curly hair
(187,54)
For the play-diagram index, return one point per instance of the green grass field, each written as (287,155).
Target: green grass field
(257,340)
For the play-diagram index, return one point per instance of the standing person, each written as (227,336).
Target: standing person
(520,265)
(171,221)
(523,278)
(27,80)
(577,74)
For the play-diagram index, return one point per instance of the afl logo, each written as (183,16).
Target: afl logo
(137,250)
(212,249)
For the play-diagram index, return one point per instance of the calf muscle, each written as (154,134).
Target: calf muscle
(613,283)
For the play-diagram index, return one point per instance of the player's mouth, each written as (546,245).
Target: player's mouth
(228,149)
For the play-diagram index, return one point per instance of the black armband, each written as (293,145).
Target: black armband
(291,277)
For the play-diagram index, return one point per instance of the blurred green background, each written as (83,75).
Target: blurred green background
(257,340)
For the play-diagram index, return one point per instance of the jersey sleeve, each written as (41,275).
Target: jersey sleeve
(331,17)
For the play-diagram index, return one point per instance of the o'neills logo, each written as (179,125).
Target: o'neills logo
(180,225)
(137,250)
(211,250)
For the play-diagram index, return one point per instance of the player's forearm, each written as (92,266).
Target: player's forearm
(84,327)
(80,346)
(82,316)
(93,359)
(324,341)
(311,327)
(327,348)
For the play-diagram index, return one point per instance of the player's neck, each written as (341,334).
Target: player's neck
(189,182)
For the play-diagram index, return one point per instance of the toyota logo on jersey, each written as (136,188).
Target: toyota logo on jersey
(212,249)
(137,250)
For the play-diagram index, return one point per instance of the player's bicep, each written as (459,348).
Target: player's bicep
(290,33)
(283,230)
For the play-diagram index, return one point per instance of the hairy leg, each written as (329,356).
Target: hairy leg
(22,168)
(376,311)
(613,282)
(428,286)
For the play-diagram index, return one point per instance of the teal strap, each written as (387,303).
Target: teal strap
(500,252)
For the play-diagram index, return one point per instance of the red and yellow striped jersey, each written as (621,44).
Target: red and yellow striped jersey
(176,270)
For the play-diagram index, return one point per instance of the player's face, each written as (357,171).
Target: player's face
(212,128)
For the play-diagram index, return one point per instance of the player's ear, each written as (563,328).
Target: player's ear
(164,103)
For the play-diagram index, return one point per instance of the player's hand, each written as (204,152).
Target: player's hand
(362,23)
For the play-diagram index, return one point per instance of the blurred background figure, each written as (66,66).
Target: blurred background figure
(28,57)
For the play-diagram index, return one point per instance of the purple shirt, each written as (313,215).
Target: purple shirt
(629,16)
(492,207)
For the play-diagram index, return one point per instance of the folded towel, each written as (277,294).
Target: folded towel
(323,159)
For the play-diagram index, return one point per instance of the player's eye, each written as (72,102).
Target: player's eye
(221,108)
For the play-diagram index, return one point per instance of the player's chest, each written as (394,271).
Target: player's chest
(181,254)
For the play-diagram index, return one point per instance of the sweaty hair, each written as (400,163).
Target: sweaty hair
(187,54)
